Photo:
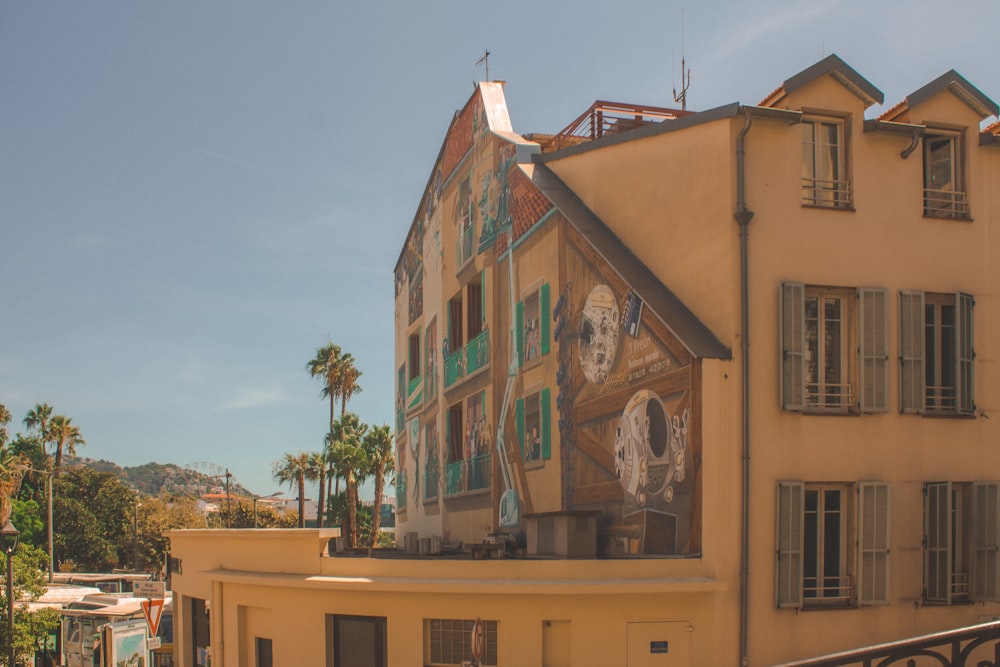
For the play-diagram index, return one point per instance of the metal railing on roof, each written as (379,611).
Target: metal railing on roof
(603,118)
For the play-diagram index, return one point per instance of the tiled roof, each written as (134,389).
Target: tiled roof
(527,203)
(459,137)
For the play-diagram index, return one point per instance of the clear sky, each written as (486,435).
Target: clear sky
(194,196)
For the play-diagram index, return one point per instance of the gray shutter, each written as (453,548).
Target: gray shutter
(937,542)
(986,541)
(965,354)
(788,542)
(792,326)
(873,543)
(912,389)
(874,349)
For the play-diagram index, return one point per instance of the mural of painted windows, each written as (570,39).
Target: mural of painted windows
(533,324)
(432,475)
(430,360)
(533,415)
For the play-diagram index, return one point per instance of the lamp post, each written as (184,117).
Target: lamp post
(8,540)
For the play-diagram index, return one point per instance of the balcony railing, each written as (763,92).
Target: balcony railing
(603,118)
(468,359)
(465,247)
(829,396)
(963,647)
(827,193)
(827,590)
(414,393)
(466,476)
(945,204)
(941,399)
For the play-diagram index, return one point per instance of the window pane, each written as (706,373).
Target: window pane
(810,545)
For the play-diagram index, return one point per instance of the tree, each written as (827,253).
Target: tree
(37,420)
(317,465)
(4,420)
(12,467)
(294,469)
(31,628)
(155,515)
(350,459)
(65,436)
(94,520)
(378,447)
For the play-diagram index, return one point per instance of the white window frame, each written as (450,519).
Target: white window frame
(821,189)
(864,374)
(947,199)
(915,396)
(864,558)
(961,542)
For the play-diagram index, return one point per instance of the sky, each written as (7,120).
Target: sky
(195,196)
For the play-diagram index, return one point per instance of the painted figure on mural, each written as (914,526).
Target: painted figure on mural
(599,334)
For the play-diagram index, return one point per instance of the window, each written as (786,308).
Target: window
(936,353)
(944,182)
(533,416)
(263,652)
(355,641)
(828,554)
(824,177)
(533,324)
(961,542)
(449,642)
(820,327)
(414,347)
(455,334)
(468,438)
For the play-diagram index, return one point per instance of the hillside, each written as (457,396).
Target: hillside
(156,478)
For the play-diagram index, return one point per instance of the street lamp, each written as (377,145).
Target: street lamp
(8,541)
(256,498)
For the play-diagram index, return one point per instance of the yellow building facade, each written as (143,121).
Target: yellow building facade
(718,385)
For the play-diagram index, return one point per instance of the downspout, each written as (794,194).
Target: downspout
(743,217)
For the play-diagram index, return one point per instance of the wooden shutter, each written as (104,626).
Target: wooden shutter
(965,354)
(912,382)
(874,349)
(546,417)
(937,542)
(788,542)
(873,543)
(792,326)
(544,317)
(986,541)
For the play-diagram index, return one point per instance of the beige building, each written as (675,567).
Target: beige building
(719,385)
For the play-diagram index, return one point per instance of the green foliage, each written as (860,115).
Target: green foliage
(26,515)
(154,516)
(93,519)
(30,628)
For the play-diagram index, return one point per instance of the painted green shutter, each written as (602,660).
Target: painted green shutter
(792,326)
(545,316)
(545,397)
(874,349)
(937,542)
(788,545)
(519,421)
(964,354)
(519,331)
(911,352)
(873,543)
(986,541)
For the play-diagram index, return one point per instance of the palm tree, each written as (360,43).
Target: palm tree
(317,471)
(65,436)
(378,447)
(12,469)
(349,376)
(4,420)
(350,459)
(326,365)
(38,418)
(294,469)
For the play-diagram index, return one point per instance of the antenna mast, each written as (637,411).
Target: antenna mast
(685,84)
(485,60)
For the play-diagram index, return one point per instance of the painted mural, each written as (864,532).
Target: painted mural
(432,463)
(627,422)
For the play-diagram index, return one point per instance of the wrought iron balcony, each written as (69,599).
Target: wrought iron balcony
(828,396)
(468,359)
(465,247)
(827,193)
(945,204)
(432,478)
(466,476)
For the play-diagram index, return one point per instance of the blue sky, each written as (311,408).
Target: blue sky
(194,196)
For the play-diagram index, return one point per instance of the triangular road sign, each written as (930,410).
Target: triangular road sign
(152,610)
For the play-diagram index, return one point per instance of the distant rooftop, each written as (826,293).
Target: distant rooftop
(604,118)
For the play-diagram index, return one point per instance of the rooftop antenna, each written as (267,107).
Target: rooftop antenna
(485,60)
(685,84)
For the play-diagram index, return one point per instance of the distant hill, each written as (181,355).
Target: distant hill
(156,478)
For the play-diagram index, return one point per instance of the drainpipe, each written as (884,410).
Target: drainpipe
(743,217)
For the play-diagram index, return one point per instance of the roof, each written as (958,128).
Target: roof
(833,66)
(689,330)
(952,82)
